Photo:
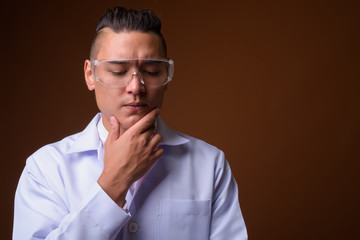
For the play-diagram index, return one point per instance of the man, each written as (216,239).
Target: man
(127,175)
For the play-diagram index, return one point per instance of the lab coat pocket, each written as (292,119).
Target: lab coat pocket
(183,219)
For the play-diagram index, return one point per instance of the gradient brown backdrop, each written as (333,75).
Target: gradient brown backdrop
(272,83)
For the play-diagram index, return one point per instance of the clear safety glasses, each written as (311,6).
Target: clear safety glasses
(119,72)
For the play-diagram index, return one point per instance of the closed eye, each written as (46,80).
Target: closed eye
(122,73)
(152,73)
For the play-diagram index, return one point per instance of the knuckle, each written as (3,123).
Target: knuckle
(132,136)
(143,141)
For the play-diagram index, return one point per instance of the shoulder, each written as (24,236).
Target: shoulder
(200,153)
(196,144)
(191,144)
(56,153)
(183,144)
(56,148)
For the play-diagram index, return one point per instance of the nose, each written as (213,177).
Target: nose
(136,84)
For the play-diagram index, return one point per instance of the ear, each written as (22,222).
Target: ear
(89,77)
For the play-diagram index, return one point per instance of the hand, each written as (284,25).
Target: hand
(129,155)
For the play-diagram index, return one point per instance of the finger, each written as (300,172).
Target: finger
(152,135)
(157,153)
(114,132)
(148,133)
(156,148)
(154,142)
(146,122)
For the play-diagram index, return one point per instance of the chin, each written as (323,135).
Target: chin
(130,121)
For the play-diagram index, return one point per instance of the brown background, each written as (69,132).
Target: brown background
(272,83)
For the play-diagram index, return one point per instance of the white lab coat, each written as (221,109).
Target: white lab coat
(189,194)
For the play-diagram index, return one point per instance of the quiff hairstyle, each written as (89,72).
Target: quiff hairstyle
(121,19)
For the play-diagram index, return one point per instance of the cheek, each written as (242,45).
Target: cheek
(106,100)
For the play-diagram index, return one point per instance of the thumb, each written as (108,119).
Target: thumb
(114,130)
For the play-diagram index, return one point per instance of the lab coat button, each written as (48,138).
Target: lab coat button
(133,227)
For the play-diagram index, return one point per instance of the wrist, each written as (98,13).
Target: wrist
(116,192)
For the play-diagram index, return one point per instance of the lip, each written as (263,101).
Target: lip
(135,105)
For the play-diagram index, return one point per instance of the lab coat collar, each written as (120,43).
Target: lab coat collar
(169,136)
(89,139)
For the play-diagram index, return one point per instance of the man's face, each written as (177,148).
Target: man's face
(132,102)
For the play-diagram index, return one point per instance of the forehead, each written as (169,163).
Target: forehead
(129,44)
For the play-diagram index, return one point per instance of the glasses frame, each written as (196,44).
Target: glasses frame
(96,62)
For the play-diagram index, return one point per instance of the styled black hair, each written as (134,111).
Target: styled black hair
(122,19)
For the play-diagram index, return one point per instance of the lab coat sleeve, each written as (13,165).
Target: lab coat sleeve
(40,212)
(227,221)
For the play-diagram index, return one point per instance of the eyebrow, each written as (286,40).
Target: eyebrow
(148,62)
